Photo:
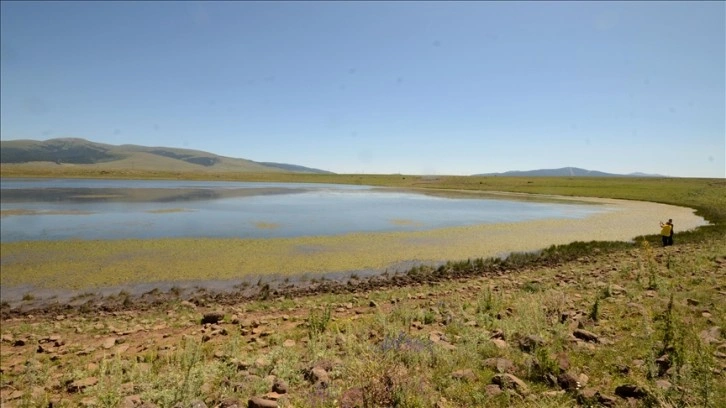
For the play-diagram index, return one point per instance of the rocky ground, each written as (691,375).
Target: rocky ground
(641,327)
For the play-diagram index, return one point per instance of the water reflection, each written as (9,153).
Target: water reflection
(115,209)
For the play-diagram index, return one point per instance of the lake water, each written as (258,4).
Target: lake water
(58,209)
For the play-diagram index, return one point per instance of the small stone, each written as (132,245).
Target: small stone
(531,342)
(586,336)
(510,381)
(664,385)
(493,390)
(630,391)
(280,386)
(568,382)
(130,401)
(15,395)
(500,365)
(109,342)
(261,362)
(352,397)
(319,376)
(500,344)
(563,361)
(465,375)
(188,304)
(259,402)
(212,317)
(272,396)
(711,335)
(80,385)
(587,396)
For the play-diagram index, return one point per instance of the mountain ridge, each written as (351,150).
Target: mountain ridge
(564,172)
(82,152)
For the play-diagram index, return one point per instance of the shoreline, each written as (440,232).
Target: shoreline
(60,270)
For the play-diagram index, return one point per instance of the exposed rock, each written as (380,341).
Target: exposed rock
(89,402)
(466,374)
(188,304)
(493,390)
(272,396)
(563,361)
(109,342)
(80,385)
(630,391)
(500,344)
(510,381)
(17,394)
(261,362)
(593,397)
(531,342)
(318,376)
(212,317)
(664,363)
(130,401)
(498,334)
(711,335)
(692,302)
(352,398)
(280,386)
(229,403)
(568,381)
(586,336)
(664,385)
(288,343)
(500,365)
(259,402)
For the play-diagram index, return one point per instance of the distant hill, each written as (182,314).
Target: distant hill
(294,168)
(81,152)
(565,172)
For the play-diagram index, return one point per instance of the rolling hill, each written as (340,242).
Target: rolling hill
(84,153)
(565,172)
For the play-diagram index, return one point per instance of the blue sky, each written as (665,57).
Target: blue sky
(379,87)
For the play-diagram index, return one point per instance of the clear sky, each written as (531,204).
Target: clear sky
(379,87)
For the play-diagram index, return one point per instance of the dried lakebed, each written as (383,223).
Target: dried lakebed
(58,269)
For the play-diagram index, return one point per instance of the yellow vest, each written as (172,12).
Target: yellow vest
(666,230)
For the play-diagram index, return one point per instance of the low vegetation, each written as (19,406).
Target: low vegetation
(583,324)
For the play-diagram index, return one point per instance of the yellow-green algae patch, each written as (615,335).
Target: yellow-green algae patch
(266,225)
(405,222)
(23,211)
(168,210)
(77,264)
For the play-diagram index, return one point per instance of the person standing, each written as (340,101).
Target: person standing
(665,232)
(670,237)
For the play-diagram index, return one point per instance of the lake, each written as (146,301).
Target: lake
(63,209)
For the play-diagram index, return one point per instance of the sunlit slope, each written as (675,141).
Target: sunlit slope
(67,154)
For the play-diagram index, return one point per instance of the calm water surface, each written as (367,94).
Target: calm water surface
(60,209)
